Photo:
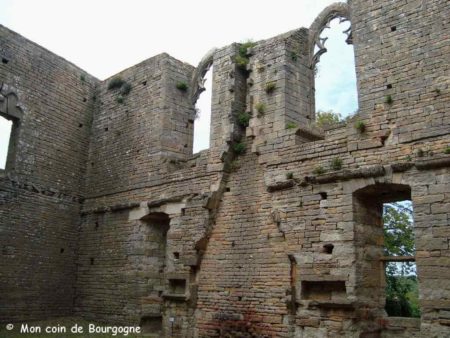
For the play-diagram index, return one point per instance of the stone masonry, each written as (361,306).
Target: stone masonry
(106,213)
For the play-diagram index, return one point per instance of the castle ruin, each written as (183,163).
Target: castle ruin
(106,213)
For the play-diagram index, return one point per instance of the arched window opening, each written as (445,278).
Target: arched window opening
(5,135)
(202,122)
(334,69)
(386,250)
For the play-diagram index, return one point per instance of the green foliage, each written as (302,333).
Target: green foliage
(125,89)
(409,158)
(336,163)
(420,152)
(119,99)
(82,78)
(319,170)
(115,83)
(291,125)
(290,175)
(242,58)
(389,100)
(239,148)
(401,281)
(181,85)
(260,108)
(447,150)
(270,87)
(324,118)
(360,126)
(294,56)
(243,119)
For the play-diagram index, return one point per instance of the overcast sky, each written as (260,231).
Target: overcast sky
(105,36)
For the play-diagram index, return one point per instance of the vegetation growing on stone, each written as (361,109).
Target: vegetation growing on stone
(181,85)
(360,126)
(242,59)
(125,89)
(239,148)
(260,108)
(291,125)
(290,175)
(270,87)
(319,170)
(119,99)
(389,100)
(115,83)
(243,119)
(447,150)
(294,56)
(420,152)
(336,163)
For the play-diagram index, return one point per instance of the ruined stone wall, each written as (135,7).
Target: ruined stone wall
(274,241)
(50,103)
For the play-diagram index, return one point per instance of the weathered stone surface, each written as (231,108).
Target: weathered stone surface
(106,213)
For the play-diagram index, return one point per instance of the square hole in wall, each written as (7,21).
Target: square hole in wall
(323,290)
(151,324)
(176,255)
(177,286)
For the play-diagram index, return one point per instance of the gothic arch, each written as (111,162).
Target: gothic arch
(334,11)
(198,78)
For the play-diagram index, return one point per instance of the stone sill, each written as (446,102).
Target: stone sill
(331,304)
(175,296)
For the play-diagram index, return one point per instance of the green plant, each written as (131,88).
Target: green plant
(125,89)
(319,170)
(270,87)
(294,56)
(119,99)
(437,91)
(243,119)
(324,118)
(82,78)
(420,152)
(291,125)
(388,100)
(242,59)
(243,48)
(447,150)
(360,126)
(115,83)
(409,158)
(289,175)
(336,163)
(181,85)
(239,148)
(260,108)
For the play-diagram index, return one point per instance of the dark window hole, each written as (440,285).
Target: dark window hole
(84,99)
(96,225)
(61,250)
(389,86)
(323,195)
(106,129)
(80,125)
(183,211)
(5,60)
(328,248)
(239,298)
(393,28)
(144,83)
(227,189)
(92,261)
(176,255)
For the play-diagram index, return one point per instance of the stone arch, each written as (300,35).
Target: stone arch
(11,110)
(198,77)
(334,11)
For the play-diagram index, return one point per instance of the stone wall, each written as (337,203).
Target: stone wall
(50,102)
(273,241)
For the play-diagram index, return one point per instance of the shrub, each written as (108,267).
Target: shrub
(242,58)
(290,175)
(270,87)
(324,118)
(447,150)
(360,126)
(291,125)
(336,163)
(294,56)
(125,89)
(115,83)
(243,119)
(388,100)
(239,148)
(319,170)
(181,85)
(82,78)
(242,61)
(260,108)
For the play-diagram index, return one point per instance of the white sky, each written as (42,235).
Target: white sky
(105,36)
